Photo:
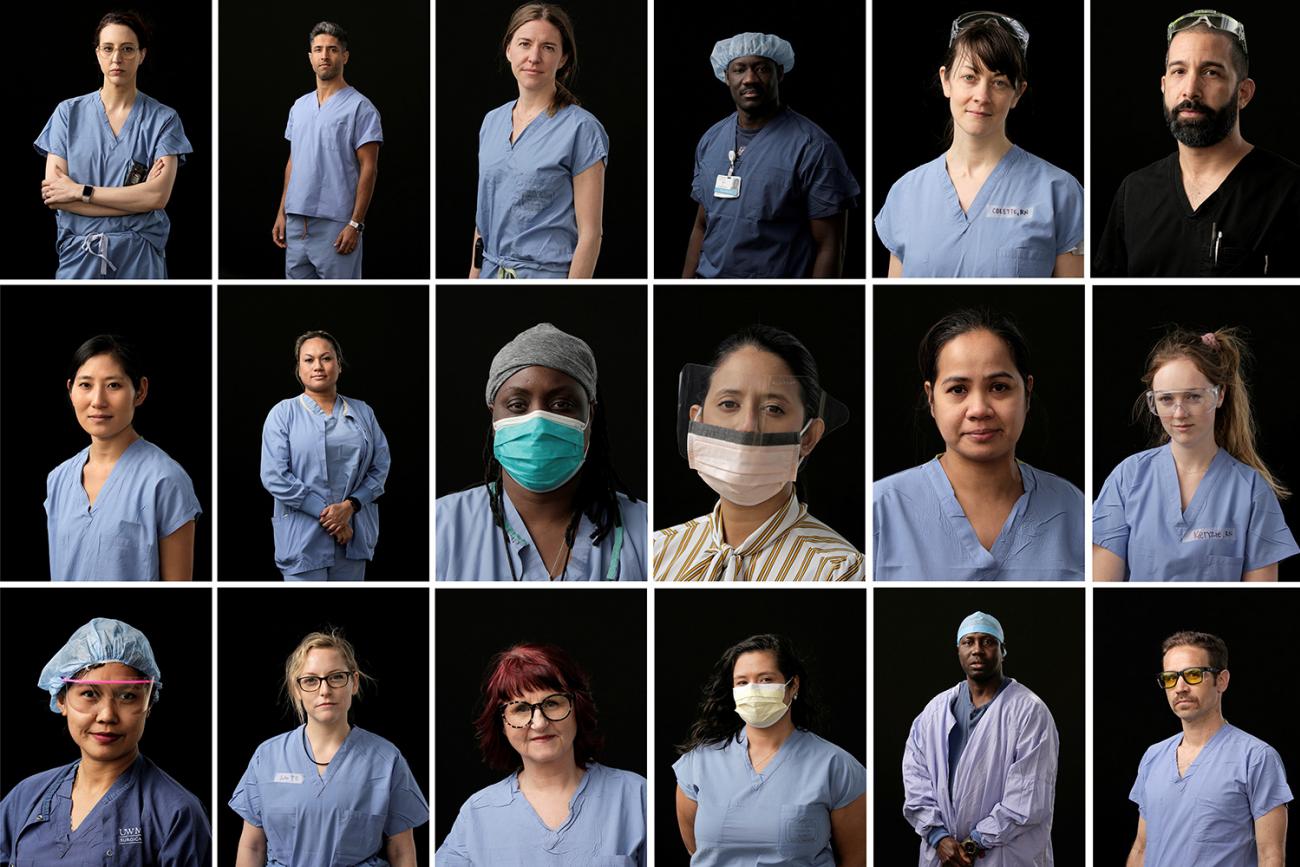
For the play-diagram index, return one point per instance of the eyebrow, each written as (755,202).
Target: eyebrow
(1208,64)
(92,379)
(756,674)
(771,395)
(1001,374)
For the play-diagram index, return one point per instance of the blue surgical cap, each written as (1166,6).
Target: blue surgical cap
(746,44)
(101,640)
(980,622)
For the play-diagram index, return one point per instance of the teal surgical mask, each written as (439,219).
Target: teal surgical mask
(540,450)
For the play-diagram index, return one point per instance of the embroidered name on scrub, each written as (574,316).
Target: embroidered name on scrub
(1202,533)
(129,835)
(286,777)
(1009,213)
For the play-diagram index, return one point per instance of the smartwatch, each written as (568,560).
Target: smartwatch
(971,848)
(86,192)
(360,227)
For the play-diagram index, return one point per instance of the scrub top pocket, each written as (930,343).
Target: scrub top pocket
(127,552)
(805,830)
(1025,262)
(768,193)
(363,835)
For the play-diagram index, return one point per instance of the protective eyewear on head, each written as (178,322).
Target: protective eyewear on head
(85,695)
(336,680)
(1017,29)
(519,714)
(1190,399)
(1190,676)
(1210,18)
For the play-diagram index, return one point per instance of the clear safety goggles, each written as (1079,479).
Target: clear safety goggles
(1017,29)
(1210,18)
(130,696)
(1190,676)
(729,403)
(1192,400)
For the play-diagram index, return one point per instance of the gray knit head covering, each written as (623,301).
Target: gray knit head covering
(547,346)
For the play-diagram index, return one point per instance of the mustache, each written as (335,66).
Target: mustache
(1193,105)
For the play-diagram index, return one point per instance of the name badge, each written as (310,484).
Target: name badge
(1208,534)
(1006,212)
(286,777)
(727,187)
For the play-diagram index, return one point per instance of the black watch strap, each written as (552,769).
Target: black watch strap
(356,504)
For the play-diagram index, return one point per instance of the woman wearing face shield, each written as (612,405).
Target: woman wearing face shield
(756,786)
(1202,505)
(558,807)
(752,418)
(985,207)
(976,512)
(551,507)
(105,682)
(328,792)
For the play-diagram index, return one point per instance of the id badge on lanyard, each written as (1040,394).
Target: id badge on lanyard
(728,186)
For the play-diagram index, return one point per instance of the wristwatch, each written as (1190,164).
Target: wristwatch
(971,848)
(360,227)
(86,192)
(356,504)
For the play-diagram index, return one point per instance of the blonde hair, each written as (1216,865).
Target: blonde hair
(1221,356)
(293,666)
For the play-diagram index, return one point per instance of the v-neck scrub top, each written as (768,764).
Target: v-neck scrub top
(324,138)
(146,498)
(1026,214)
(497,827)
(525,213)
(339,819)
(922,533)
(781,816)
(145,819)
(1233,524)
(1206,816)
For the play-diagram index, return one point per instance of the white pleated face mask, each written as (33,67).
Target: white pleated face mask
(743,467)
(761,704)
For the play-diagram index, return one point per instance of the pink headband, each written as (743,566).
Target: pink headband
(1210,340)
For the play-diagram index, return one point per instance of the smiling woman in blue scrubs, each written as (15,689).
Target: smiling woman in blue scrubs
(110,163)
(120,509)
(324,460)
(984,208)
(1202,505)
(975,512)
(756,786)
(328,793)
(105,682)
(541,161)
(558,807)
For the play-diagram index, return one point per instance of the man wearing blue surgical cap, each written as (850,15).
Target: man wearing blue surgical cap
(979,771)
(773,188)
(113,805)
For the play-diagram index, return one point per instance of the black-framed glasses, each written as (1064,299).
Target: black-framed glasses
(555,707)
(1190,676)
(336,680)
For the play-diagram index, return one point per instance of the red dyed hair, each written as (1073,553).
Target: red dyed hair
(520,669)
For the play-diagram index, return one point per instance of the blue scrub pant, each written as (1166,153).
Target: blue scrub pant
(110,256)
(494,270)
(311,254)
(342,570)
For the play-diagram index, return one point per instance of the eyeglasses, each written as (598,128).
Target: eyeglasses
(336,680)
(1210,18)
(128,52)
(130,696)
(1017,29)
(1190,676)
(1190,399)
(519,714)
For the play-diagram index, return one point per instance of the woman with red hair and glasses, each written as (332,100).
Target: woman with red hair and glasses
(557,806)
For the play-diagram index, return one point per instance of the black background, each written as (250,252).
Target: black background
(1128,131)
(262,50)
(384,335)
(1129,623)
(826,86)
(1052,322)
(389,629)
(55,60)
(177,622)
(828,628)
(911,112)
(1120,347)
(603,629)
(831,327)
(42,430)
(916,659)
(611,319)
(474,78)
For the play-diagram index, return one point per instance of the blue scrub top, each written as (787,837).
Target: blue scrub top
(311,460)
(1211,809)
(922,533)
(605,826)
(145,819)
(791,172)
(323,147)
(469,544)
(339,819)
(779,817)
(525,190)
(1232,525)
(147,497)
(79,132)
(1027,213)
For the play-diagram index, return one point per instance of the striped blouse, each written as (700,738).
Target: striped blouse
(790,546)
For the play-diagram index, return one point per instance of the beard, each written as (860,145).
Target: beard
(1209,130)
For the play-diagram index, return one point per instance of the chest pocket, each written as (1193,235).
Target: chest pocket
(1222,818)
(335,135)
(126,552)
(769,193)
(535,190)
(362,836)
(1025,262)
(804,831)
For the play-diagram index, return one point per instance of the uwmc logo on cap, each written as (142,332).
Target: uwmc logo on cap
(129,835)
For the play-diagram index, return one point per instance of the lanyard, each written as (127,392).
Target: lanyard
(611,573)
